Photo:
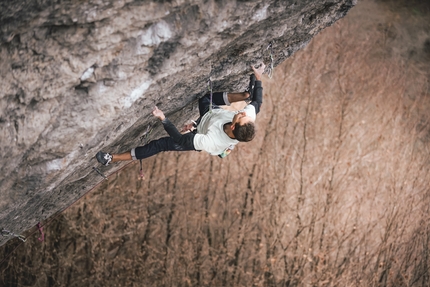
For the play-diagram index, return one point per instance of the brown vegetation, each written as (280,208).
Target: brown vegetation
(332,192)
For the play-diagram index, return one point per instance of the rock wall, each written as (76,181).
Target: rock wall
(80,76)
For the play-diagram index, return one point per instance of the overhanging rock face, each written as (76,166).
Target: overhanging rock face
(80,76)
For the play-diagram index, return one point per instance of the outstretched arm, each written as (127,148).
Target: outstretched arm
(257,94)
(156,112)
(186,140)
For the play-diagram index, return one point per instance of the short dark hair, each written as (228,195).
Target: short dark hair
(244,133)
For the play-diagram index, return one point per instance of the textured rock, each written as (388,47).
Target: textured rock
(80,76)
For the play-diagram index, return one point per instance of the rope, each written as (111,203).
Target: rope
(141,175)
(210,89)
(42,235)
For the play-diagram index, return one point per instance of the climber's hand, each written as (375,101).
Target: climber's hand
(258,72)
(187,127)
(158,114)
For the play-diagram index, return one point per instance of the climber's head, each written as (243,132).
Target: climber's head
(243,127)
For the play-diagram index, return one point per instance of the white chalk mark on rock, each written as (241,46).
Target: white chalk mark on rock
(87,74)
(136,94)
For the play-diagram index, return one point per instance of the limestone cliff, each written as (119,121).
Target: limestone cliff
(80,76)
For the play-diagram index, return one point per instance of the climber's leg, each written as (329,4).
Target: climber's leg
(141,152)
(157,146)
(218,99)
(237,97)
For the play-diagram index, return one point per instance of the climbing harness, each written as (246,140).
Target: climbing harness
(270,68)
(5,232)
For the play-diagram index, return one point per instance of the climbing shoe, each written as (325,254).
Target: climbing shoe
(104,158)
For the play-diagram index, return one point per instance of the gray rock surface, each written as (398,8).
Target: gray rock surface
(81,76)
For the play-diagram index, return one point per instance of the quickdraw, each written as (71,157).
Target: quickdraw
(5,232)
(270,68)
(100,173)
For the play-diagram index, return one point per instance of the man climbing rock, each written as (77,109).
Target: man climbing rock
(218,130)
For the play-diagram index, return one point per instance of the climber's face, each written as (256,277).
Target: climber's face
(241,119)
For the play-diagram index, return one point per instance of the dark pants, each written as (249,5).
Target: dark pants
(156,146)
(178,143)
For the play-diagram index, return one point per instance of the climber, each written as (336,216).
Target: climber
(217,131)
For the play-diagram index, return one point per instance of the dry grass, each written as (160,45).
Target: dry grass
(352,166)
(333,192)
